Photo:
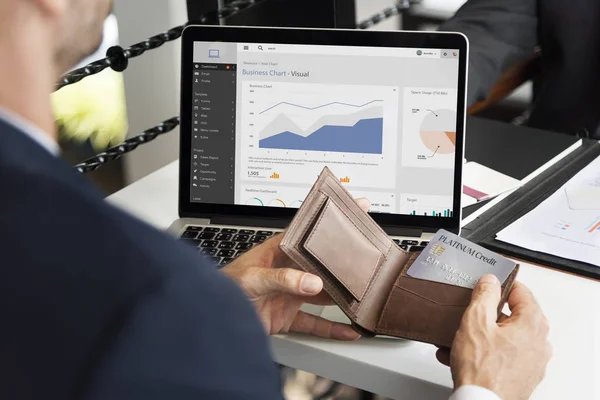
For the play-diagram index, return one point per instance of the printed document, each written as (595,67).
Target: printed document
(566,224)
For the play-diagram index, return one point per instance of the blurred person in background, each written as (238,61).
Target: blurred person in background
(503,32)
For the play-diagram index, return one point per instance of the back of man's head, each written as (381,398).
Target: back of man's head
(74,26)
(39,41)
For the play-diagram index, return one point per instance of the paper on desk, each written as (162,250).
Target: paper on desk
(483,183)
(467,201)
(566,224)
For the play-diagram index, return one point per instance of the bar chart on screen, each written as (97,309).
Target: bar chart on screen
(426,205)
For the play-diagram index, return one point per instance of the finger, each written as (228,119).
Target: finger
(364,204)
(443,355)
(284,280)
(485,299)
(322,299)
(279,258)
(266,253)
(274,240)
(317,326)
(503,318)
(521,300)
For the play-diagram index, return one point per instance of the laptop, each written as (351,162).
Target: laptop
(263,110)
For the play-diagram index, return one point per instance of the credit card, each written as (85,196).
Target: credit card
(453,260)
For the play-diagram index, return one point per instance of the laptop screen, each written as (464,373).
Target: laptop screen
(268,117)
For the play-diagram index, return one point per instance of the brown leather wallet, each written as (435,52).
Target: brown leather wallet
(364,271)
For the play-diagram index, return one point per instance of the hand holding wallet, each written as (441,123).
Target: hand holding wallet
(364,271)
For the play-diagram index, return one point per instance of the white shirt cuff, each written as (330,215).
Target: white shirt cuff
(473,393)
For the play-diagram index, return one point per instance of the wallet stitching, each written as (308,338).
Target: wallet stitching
(362,233)
(379,264)
(376,230)
(407,335)
(300,260)
(428,299)
(404,333)
(371,280)
(387,302)
(318,223)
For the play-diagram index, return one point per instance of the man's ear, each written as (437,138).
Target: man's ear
(53,8)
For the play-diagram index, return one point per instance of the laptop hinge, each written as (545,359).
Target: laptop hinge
(250,221)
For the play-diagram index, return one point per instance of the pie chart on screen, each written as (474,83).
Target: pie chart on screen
(438,131)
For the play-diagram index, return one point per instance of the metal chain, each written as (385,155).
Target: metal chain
(116,152)
(117,58)
(400,7)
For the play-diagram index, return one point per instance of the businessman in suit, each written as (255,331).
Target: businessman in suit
(96,305)
(503,32)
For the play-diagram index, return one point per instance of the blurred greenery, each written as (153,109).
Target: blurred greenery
(93,109)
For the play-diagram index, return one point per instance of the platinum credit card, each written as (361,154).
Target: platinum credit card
(453,260)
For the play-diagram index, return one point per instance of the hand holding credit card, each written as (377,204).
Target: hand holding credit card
(453,260)
(383,289)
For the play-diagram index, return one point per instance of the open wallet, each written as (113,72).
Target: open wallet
(364,271)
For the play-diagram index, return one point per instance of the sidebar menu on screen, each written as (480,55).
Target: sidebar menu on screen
(213,133)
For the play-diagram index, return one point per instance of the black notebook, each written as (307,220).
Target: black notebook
(520,152)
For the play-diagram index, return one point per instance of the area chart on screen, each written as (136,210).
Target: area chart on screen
(293,130)
(320,117)
(360,131)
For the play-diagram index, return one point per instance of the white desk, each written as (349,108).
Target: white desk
(408,370)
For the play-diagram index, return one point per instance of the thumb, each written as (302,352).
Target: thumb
(485,299)
(288,280)
(364,204)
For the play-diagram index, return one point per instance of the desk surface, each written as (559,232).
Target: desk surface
(402,369)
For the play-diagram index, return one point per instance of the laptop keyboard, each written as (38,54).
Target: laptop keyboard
(412,246)
(223,245)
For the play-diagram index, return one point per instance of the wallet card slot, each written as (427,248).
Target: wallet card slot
(439,292)
(436,292)
(343,250)
(411,316)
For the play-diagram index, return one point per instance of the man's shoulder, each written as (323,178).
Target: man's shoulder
(81,271)
(57,219)
(189,345)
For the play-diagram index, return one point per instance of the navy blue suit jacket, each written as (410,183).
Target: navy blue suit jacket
(96,305)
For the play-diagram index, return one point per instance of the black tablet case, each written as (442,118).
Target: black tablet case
(483,229)
(515,151)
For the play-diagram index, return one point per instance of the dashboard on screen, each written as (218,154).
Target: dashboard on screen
(268,117)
